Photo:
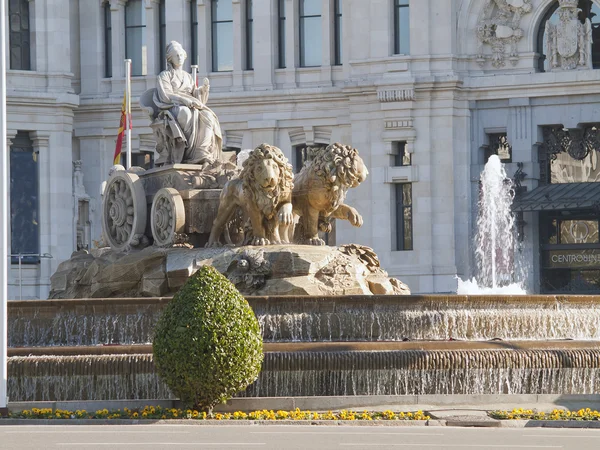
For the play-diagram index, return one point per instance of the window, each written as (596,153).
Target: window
(142,159)
(194,19)
(404,237)
(401,27)
(24,203)
(588,10)
(499,145)
(249,35)
(107,41)
(338,32)
(20,58)
(570,155)
(222,35)
(570,256)
(311,34)
(135,36)
(281,33)
(162,35)
(401,157)
(300,157)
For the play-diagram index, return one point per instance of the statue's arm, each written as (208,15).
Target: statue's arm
(167,95)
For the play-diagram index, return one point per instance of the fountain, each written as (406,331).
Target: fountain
(332,321)
(495,237)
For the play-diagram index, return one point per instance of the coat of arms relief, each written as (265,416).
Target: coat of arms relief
(569,41)
(499,27)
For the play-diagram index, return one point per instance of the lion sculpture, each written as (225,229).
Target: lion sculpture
(320,189)
(263,191)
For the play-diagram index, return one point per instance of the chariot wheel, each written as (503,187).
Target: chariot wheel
(124,211)
(167,217)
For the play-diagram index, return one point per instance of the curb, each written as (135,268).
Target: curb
(578,424)
(211,422)
(408,402)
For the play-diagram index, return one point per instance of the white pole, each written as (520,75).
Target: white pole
(3,220)
(195,74)
(128,109)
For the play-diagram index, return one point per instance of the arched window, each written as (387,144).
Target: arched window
(194,29)
(162,35)
(222,35)
(135,36)
(107,41)
(24,199)
(19,37)
(589,9)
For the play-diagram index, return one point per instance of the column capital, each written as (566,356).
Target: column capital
(40,139)
(11,134)
(150,4)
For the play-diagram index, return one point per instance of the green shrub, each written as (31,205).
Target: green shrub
(207,344)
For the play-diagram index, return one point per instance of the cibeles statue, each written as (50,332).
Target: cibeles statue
(186,130)
(569,42)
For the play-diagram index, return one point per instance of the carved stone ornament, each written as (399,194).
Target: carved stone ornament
(569,42)
(124,211)
(577,142)
(499,27)
(263,192)
(167,217)
(320,190)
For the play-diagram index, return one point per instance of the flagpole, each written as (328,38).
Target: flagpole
(3,220)
(195,74)
(128,109)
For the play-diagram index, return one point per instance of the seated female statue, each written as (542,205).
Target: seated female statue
(193,134)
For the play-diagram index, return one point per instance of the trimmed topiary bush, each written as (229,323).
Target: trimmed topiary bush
(207,344)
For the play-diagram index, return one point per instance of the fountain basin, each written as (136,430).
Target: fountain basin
(331,369)
(320,319)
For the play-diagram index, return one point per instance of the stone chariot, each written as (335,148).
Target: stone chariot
(166,206)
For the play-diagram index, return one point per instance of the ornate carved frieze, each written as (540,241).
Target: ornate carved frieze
(499,27)
(398,124)
(569,42)
(396,95)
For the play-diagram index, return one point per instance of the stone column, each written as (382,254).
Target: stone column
(38,31)
(41,146)
(204,39)
(291,42)
(177,18)
(327,41)
(117,20)
(91,26)
(152,40)
(10,135)
(239,44)
(265,40)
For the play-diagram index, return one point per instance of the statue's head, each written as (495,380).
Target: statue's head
(176,55)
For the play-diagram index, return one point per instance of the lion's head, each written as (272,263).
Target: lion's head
(268,176)
(339,165)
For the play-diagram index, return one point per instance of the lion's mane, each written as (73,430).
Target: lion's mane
(338,166)
(267,201)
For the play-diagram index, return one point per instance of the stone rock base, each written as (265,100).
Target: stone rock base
(272,270)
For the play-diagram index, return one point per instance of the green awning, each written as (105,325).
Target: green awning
(559,196)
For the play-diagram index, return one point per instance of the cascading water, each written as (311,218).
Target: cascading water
(495,238)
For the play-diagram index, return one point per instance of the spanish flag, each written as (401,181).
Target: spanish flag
(117,157)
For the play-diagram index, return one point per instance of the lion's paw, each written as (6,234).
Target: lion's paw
(315,241)
(355,218)
(258,241)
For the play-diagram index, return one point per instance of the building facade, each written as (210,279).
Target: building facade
(425,90)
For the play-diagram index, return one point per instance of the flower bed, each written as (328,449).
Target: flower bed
(557,414)
(156,412)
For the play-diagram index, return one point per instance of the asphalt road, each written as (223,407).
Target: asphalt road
(161,436)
